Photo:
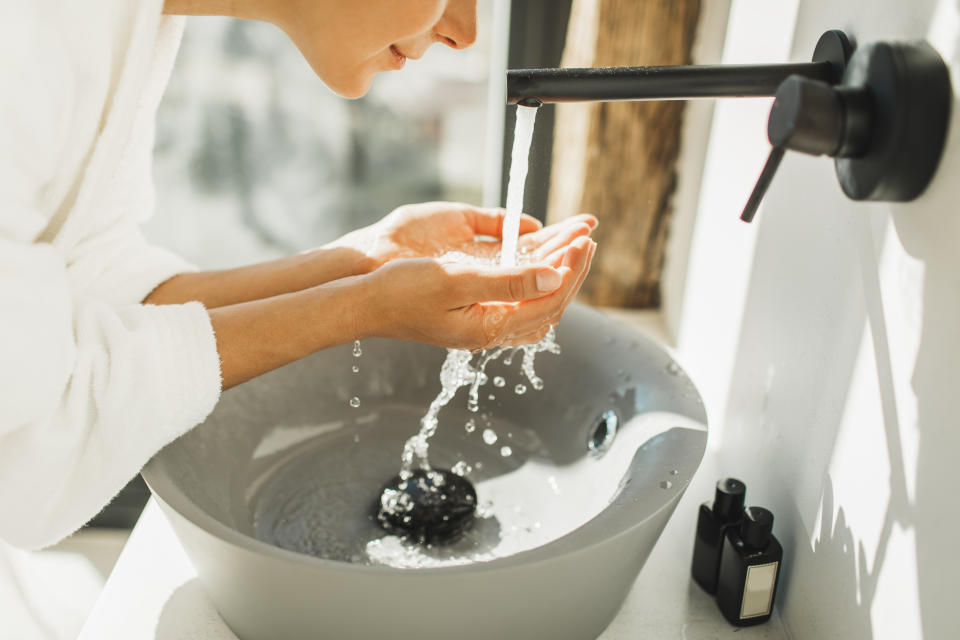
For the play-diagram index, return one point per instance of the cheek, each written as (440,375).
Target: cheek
(382,23)
(351,43)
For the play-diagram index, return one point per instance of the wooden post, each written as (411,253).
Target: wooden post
(618,160)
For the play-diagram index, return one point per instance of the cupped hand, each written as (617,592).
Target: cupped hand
(434,229)
(473,306)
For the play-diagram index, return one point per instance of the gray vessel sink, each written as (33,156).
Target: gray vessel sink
(285,470)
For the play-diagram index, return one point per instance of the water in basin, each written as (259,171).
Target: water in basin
(321,498)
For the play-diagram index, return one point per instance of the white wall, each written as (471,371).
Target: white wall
(826,340)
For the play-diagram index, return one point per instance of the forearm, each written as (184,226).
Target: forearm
(264,280)
(261,335)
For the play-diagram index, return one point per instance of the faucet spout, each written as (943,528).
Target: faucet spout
(606,84)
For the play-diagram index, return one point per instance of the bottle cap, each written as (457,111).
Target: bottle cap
(728,500)
(756,527)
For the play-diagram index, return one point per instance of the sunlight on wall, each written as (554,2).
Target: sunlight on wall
(722,247)
(898,577)
(824,340)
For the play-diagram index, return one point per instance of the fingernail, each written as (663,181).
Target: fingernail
(548,280)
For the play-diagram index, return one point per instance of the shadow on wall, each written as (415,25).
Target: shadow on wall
(933,237)
(814,315)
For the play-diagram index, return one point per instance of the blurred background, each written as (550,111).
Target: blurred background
(256,158)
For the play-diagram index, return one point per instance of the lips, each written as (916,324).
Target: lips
(398,58)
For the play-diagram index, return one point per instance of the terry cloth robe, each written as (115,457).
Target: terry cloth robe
(92,382)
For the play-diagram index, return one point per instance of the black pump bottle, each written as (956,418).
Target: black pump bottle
(712,523)
(749,569)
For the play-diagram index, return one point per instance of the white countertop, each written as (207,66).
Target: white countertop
(154,593)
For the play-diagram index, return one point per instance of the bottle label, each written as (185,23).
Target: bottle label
(758,590)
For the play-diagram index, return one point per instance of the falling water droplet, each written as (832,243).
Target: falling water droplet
(665,484)
(357,351)
(506,452)
(471,426)
(498,381)
(489,436)
(355,368)
(355,402)
(520,389)
(674,472)
(461,468)
(673,369)
(491,397)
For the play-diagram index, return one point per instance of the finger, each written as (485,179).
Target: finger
(588,219)
(489,222)
(555,259)
(531,315)
(583,276)
(529,224)
(562,238)
(579,264)
(475,283)
(552,236)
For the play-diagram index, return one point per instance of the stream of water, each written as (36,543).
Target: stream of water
(519,165)
(461,369)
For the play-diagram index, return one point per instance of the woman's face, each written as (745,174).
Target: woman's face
(347,42)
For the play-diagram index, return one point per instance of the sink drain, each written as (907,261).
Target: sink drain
(601,438)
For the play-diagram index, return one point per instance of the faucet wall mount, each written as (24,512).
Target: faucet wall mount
(885,123)
(881,111)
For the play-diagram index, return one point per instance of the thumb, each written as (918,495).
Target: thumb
(507,284)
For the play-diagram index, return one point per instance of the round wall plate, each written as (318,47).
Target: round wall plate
(911,96)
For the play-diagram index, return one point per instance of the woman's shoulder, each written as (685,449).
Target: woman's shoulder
(60,63)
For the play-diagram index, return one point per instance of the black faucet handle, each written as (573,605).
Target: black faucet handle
(815,118)
(763,183)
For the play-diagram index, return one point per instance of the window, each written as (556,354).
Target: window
(255,158)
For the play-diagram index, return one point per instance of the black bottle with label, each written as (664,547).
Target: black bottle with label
(749,569)
(712,523)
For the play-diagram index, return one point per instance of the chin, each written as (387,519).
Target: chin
(351,87)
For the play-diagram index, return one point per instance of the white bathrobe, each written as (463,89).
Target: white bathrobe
(92,383)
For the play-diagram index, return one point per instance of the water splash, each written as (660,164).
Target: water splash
(461,468)
(461,369)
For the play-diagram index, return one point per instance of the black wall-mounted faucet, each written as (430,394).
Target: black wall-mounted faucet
(882,112)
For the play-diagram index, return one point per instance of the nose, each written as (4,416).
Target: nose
(457,27)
